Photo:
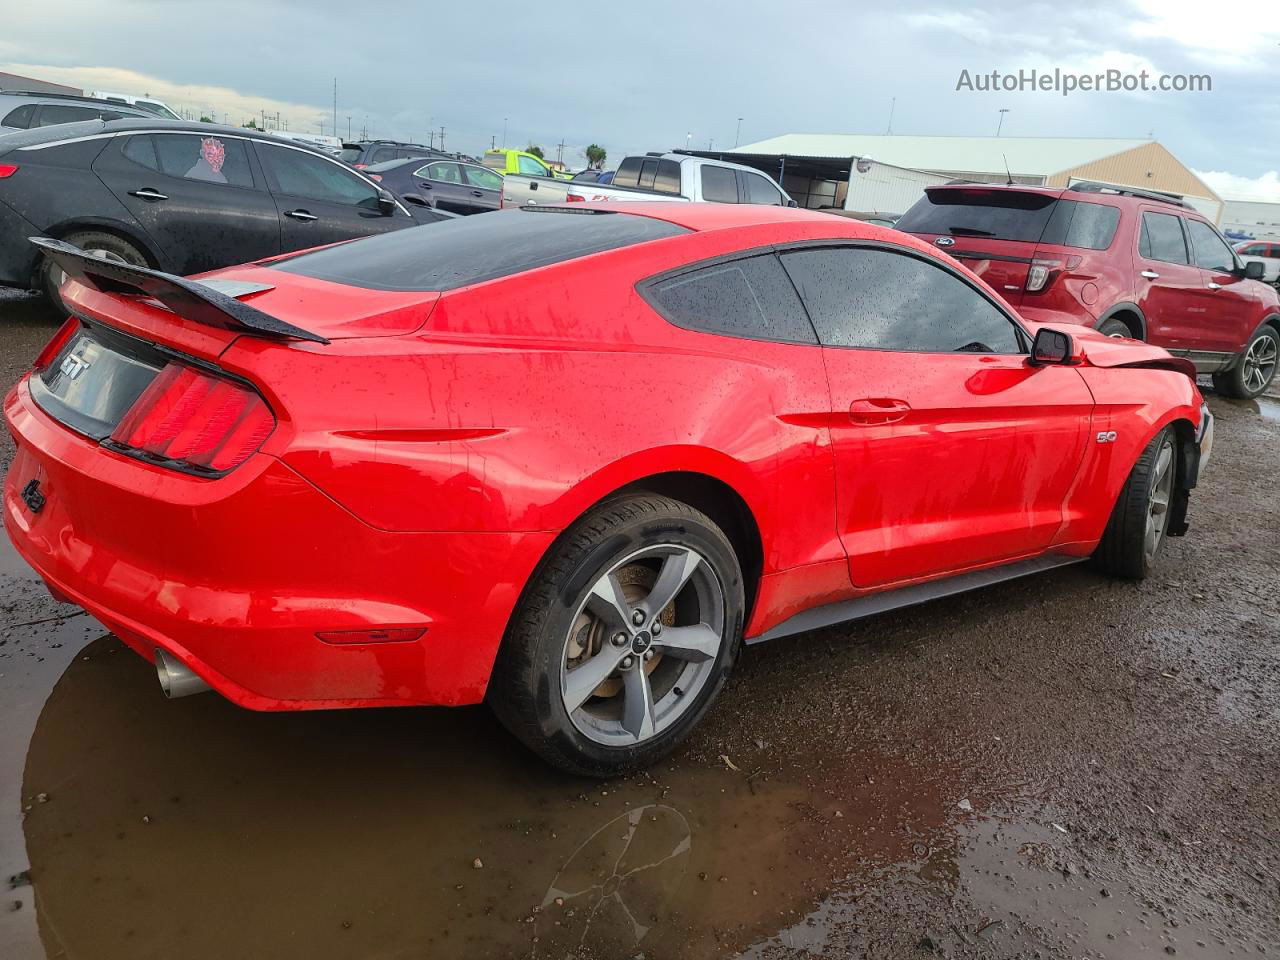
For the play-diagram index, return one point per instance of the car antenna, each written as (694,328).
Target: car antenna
(1007,172)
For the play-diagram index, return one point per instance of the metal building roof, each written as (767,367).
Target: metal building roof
(1026,156)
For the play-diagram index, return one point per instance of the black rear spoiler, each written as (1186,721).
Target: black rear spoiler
(186,298)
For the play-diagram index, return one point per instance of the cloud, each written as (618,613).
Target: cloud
(1230,186)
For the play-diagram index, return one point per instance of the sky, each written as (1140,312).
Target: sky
(666,74)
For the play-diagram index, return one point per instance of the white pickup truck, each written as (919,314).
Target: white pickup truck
(653,176)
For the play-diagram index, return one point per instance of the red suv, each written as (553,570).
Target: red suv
(1130,263)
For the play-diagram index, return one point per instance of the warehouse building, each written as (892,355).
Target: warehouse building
(840,159)
(1257,219)
(14,81)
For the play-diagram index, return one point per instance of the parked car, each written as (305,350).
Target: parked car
(518,161)
(365,153)
(564,459)
(594,176)
(181,197)
(25,111)
(148,105)
(1265,252)
(444,184)
(654,177)
(1130,263)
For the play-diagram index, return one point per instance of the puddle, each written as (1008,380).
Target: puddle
(357,834)
(1269,407)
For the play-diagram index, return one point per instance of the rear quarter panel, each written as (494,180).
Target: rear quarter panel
(527,400)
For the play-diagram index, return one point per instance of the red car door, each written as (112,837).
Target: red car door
(1168,283)
(951,451)
(1231,308)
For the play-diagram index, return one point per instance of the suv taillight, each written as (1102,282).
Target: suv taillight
(1044,271)
(191,420)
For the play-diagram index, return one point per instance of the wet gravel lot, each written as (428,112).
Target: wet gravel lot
(1062,767)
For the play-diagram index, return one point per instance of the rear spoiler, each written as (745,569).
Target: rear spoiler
(187,298)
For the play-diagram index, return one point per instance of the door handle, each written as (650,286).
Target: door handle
(1214,286)
(1150,274)
(877,411)
(476,193)
(533,186)
(301,215)
(146,193)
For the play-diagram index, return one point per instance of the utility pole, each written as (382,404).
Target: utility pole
(493,142)
(737,136)
(442,136)
(687,138)
(560,152)
(893,103)
(335,106)
(348,127)
(1000,125)
(504,133)
(709,142)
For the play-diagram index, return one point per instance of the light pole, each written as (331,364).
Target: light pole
(688,137)
(504,133)
(737,135)
(1000,125)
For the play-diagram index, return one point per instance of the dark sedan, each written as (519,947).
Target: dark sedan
(180,197)
(450,185)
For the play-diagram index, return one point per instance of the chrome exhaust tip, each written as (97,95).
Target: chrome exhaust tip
(177,680)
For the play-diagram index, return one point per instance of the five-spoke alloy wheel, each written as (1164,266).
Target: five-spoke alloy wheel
(624,637)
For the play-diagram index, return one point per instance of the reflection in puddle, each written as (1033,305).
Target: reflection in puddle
(193,828)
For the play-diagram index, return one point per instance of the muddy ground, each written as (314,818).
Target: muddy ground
(1063,767)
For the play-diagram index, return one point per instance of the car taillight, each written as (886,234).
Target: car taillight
(376,176)
(191,420)
(54,346)
(574,198)
(7,170)
(1044,271)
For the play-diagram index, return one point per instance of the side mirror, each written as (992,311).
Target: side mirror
(792,203)
(386,202)
(1253,270)
(1051,347)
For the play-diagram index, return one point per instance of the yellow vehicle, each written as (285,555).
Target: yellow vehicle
(517,161)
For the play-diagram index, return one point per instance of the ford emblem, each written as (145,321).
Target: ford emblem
(945,242)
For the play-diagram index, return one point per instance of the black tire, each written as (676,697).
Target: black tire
(1125,550)
(528,688)
(1115,327)
(1256,368)
(91,241)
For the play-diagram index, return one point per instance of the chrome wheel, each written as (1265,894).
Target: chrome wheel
(1158,499)
(642,645)
(1259,364)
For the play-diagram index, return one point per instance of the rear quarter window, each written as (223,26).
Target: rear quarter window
(1086,226)
(471,250)
(751,298)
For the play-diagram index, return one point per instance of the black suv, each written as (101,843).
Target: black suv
(365,153)
(20,110)
(180,197)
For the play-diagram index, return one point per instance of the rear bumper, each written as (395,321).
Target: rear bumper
(235,577)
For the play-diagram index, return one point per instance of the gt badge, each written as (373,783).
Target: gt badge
(73,366)
(1106,436)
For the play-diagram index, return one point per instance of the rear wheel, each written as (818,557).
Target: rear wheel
(1140,519)
(1256,368)
(96,243)
(623,639)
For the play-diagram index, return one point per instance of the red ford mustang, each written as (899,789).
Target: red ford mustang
(565,459)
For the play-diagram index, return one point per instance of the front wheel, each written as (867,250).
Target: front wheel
(623,639)
(1140,518)
(1256,368)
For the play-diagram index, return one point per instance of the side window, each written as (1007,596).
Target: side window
(890,301)
(532,166)
(745,298)
(760,190)
(1212,252)
(446,172)
(211,159)
(381,155)
(53,113)
(20,118)
(668,177)
(1089,226)
(648,171)
(1254,250)
(719,185)
(142,150)
(301,174)
(482,178)
(1161,239)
